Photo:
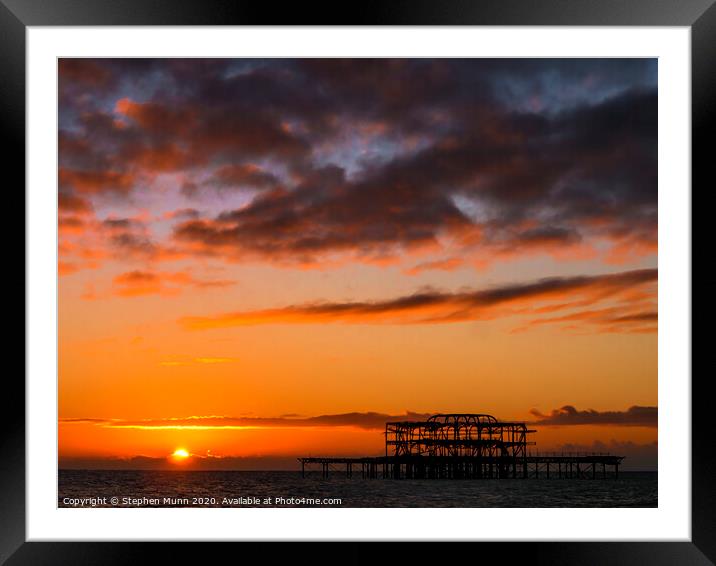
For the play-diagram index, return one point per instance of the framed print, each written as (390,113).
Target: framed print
(424,275)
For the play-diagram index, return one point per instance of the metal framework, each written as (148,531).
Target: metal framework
(457,435)
(457,445)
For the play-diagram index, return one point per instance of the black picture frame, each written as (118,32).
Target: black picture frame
(17,15)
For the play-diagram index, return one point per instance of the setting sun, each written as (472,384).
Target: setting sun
(180,453)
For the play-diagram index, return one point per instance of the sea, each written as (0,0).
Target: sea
(153,488)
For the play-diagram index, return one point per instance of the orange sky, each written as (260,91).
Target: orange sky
(301,263)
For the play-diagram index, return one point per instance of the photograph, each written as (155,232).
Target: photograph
(358,282)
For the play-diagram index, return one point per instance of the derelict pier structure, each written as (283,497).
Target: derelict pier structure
(469,446)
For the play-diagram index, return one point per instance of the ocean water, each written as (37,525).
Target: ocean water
(130,488)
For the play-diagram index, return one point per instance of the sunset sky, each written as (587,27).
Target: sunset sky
(268,258)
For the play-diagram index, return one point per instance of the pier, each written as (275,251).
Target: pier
(465,446)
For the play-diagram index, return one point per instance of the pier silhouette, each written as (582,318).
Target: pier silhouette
(466,446)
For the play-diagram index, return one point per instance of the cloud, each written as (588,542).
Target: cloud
(138,283)
(129,237)
(88,72)
(568,415)
(368,421)
(582,187)
(242,175)
(183,213)
(613,319)
(449,264)
(89,182)
(431,306)
(68,202)
(489,160)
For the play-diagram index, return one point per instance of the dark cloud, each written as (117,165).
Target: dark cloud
(68,202)
(428,307)
(242,175)
(129,237)
(92,182)
(90,72)
(121,224)
(640,318)
(133,244)
(326,213)
(547,234)
(375,157)
(568,415)
(513,169)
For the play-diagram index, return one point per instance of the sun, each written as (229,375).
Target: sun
(181,453)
